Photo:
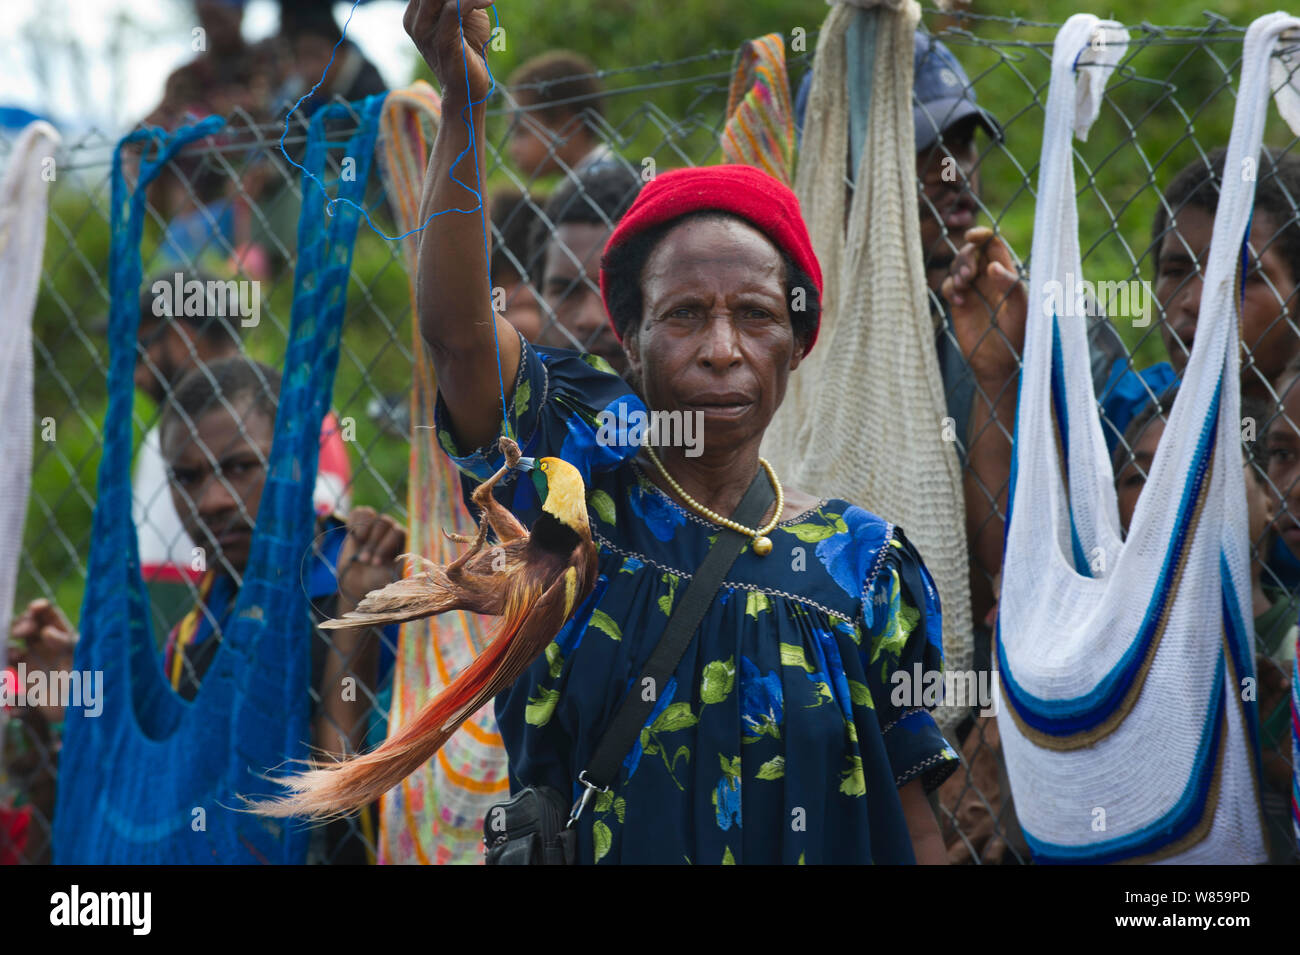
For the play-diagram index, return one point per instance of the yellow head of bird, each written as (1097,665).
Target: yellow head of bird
(563,495)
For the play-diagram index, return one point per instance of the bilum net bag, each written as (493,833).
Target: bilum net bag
(1123,661)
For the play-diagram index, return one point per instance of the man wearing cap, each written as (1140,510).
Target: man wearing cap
(945,116)
(977,295)
(979,363)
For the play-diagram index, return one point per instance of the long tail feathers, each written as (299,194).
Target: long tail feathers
(349,785)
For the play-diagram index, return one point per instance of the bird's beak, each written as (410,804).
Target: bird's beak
(526,464)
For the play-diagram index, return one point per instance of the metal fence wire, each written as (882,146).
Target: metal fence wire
(228,207)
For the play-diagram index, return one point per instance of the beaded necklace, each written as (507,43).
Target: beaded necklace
(762,543)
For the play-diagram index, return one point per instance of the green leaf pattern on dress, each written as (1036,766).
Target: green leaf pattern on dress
(793,656)
(757,602)
(718,679)
(523,392)
(824,525)
(606,625)
(540,708)
(602,838)
(902,619)
(852,781)
(666,601)
(554,659)
(603,505)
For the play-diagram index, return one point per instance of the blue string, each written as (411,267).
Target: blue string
(478,179)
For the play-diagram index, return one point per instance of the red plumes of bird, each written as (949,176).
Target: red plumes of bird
(533,581)
(337,790)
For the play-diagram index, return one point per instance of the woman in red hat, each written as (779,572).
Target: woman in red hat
(790,731)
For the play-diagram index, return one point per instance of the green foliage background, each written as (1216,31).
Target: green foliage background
(1177,99)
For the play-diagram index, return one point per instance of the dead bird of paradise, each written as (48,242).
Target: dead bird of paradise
(532,579)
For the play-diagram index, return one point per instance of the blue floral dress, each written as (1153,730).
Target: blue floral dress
(778,739)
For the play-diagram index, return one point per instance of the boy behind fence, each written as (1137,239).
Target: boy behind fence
(216,437)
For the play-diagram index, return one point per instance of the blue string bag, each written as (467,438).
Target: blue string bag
(153,778)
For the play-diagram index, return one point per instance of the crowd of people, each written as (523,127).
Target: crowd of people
(252,85)
(678,293)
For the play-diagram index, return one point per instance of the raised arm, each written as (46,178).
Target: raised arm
(453,298)
(989,307)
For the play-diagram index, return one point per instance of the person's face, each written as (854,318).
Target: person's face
(221,23)
(1133,477)
(715,335)
(158,360)
(218,506)
(532,143)
(523,310)
(1282,454)
(167,350)
(571,290)
(1259,513)
(948,174)
(311,55)
(1267,340)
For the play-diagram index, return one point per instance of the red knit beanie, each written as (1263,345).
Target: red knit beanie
(763,201)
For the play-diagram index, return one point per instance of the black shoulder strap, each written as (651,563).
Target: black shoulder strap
(678,632)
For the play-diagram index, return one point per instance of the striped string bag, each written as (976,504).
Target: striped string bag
(759,130)
(436,814)
(1126,723)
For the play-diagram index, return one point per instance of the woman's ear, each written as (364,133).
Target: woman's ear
(632,346)
(797,353)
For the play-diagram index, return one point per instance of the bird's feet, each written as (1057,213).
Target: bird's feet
(511,452)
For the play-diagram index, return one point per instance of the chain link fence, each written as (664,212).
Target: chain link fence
(230,205)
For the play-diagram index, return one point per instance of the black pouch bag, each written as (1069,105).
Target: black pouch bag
(529,829)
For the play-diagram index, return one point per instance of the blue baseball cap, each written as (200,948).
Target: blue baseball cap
(942,95)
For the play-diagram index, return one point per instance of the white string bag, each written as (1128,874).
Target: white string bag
(1124,662)
(22,244)
(862,416)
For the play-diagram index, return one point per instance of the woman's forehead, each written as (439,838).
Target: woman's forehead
(704,249)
